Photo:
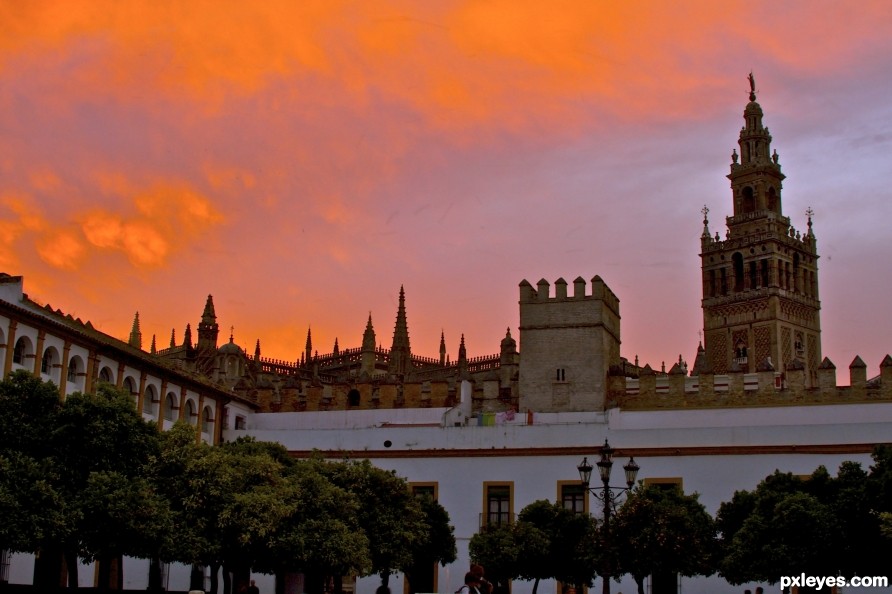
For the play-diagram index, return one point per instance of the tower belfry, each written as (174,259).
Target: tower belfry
(760,284)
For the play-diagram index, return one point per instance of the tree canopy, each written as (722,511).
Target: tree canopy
(659,531)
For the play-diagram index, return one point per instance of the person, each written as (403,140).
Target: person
(485,586)
(472,585)
(252,589)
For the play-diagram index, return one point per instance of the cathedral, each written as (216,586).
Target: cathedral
(513,425)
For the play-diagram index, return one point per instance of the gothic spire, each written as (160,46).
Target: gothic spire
(187,336)
(153,349)
(308,350)
(209,316)
(400,351)
(136,333)
(368,337)
(208,329)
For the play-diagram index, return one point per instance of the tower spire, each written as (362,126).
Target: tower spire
(208,329)
(135,333)
(400,351)
(763,267)
(308,350)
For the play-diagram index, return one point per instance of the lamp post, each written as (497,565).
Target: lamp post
(606,494)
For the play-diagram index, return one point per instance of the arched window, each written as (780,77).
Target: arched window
(22,349)
(353,397)
(190,412)
(74,369)
(749,200)
(206,420)
(773,203)
(105,375)
(148,400)
(797,282)
(130,386)
(737,260)
(170,407)
(47,361)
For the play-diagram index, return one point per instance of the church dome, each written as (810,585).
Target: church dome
(230,348)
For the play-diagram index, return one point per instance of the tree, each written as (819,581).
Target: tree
(659,531)
(548,541)
(389,514)
(779,529)
(437,547)
(496,548)
(103,448)
(32,510)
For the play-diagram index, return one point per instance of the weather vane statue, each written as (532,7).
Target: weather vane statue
(752,86)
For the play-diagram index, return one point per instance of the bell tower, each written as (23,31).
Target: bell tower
(760,284)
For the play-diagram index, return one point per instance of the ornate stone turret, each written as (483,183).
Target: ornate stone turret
(367,354)
(135,333)
(308,351)
(462,358)
(173,338)
(257,351)
(153,349)
(208,329)
(187,337)
(760,285)
(442,348)
(400,351)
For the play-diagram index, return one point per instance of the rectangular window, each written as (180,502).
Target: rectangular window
(424,490)
(572,496)
(561,375)
(666,483)
(498,503)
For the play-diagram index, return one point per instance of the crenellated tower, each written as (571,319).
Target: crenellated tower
(567,345)
(760,283)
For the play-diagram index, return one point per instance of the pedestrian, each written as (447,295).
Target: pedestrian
(472,585)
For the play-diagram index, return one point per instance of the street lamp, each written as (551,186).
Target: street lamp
(606,494)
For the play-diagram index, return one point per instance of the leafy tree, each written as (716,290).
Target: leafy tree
(555,542)
(438,546)
(33,512)
(99,436)
(389,514)
(319,534)
(496,548)
(779,529)
(660,530)
(548,541)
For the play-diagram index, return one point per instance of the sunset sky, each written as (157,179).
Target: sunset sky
(301,160)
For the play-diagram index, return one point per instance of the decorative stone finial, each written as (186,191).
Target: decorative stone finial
(752,86)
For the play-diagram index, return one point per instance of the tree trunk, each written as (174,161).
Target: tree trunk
(215,569)
(640,582)
(155,585)
(103,573)
(535,585)
(196,577)
(227,580)
(48,574)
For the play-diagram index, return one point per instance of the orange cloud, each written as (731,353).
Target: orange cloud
(62,249)
(167,217)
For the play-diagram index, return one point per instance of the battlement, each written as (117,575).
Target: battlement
(764,388)
(542,294)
